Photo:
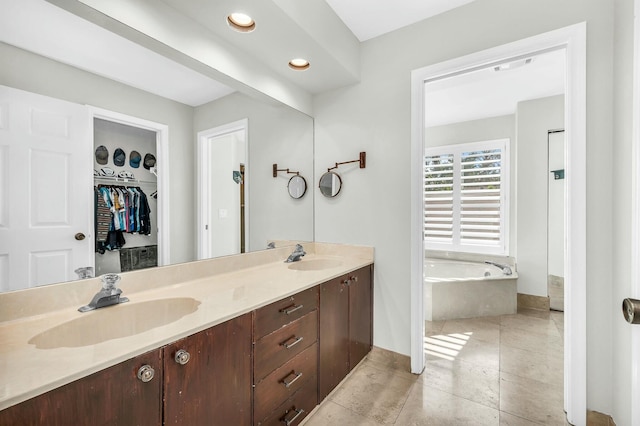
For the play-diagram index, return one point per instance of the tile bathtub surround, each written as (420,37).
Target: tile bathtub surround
(504,370)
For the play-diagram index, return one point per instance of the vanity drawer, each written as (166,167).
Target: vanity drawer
(294,409)
(281,384)
(282,312)
(280,346)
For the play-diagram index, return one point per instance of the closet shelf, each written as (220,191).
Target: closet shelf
(115,179)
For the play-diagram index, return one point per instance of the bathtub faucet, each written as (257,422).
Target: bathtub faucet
(506,269)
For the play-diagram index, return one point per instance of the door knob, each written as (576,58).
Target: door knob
(631,310)
(79,236)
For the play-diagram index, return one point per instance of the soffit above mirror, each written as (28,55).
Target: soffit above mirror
(195,33)
(45,29)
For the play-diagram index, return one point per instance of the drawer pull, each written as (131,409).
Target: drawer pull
(291,309)
(290,421)
(292,344)
(287,384)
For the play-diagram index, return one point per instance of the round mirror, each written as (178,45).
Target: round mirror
(297,186)
(330,184)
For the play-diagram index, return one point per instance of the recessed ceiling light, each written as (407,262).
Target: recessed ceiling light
(299,64)
(241,22)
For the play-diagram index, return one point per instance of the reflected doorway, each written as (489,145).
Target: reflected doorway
(222,190)
(555,219)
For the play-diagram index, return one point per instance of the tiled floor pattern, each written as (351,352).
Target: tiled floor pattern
(503,370)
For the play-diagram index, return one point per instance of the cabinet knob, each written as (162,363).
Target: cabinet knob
(146,373)
(182,357)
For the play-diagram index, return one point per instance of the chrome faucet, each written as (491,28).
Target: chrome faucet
(506,269)
(109,295)
(296,255)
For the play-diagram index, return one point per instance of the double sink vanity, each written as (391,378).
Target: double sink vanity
(242,340)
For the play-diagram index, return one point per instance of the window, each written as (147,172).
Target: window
(466,200)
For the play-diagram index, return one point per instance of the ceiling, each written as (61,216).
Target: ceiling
(327,32)
(488,93)
(370,18)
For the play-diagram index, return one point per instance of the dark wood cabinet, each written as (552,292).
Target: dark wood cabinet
(345,326)
(360,315)
(334,334)
(207,376)
(213,387)
(114,396)
(268,367)
(286,359)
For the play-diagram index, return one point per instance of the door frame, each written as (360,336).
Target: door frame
(573,40)
(162,154)
(634,368)
(203,238)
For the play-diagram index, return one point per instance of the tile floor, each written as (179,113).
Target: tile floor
(504,370)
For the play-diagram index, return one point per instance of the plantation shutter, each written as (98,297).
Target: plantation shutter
(480,201)
(465,197)
(438,198)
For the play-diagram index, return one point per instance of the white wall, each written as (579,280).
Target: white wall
(34,73)
(534,119)
(374,116)
(277,134)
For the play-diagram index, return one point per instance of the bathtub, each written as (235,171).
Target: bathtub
(463,289)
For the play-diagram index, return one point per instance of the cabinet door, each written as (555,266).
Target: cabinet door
(360,315)
(214,386)
(114,396)
(334,334)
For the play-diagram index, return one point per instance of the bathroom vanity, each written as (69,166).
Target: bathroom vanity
(240,340)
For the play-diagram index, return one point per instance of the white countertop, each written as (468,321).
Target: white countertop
(26,371)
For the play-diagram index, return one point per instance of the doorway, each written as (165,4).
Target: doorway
(572,39)
(156,172)
(555,219)
(223,190)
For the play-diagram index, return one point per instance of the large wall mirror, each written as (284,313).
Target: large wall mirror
(275,133)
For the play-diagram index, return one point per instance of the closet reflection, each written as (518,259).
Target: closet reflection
(273,130)
(125,208)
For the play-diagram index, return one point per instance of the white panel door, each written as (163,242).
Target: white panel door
(46,192)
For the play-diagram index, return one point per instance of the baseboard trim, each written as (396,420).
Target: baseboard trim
(529,301)
(595,418)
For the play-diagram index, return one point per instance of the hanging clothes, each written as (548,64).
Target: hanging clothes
(119,210)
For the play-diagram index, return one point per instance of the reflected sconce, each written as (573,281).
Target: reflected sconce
(297,185)
(331,183)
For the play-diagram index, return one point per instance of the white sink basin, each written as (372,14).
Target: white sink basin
(315,264)
(114,322)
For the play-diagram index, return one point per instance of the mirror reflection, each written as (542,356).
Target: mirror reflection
(330,184)
(297,186)
(273,129)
